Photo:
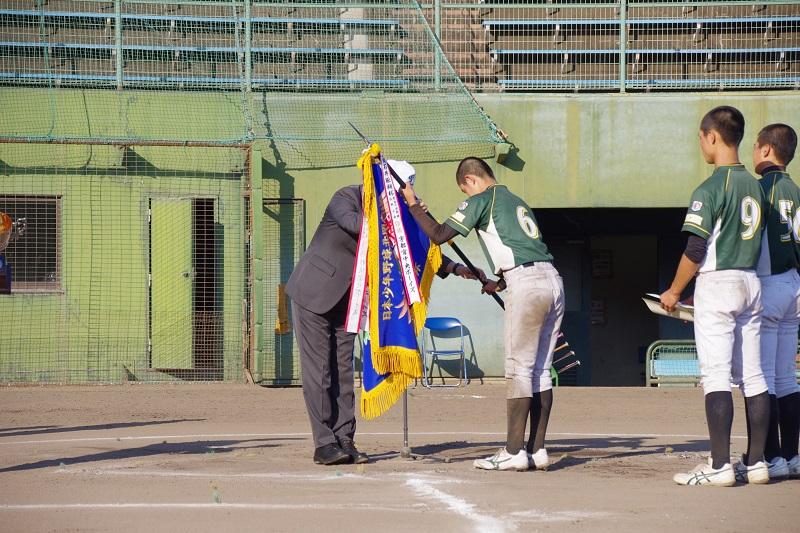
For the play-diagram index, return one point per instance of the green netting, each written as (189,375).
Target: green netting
(132,266)
(222,72)
(146,149)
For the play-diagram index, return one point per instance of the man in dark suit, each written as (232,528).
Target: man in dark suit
(320,288)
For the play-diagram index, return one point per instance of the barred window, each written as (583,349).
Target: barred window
(35,254)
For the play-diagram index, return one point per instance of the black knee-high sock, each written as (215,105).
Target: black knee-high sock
(773,447)
(756,410)
(517,410)
(719,415)
(540,415)
(789,411)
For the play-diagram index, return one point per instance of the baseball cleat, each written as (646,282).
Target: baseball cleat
(539,460)
(778,468)
(503,460)
(758,474)
(794,466)
(707,475)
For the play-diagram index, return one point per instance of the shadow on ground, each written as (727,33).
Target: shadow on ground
(41,430)
(563,453)
(163,448)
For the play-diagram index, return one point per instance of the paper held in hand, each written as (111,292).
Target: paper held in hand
(681,312)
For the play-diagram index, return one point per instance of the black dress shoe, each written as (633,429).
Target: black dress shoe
(330,454)
(349,447)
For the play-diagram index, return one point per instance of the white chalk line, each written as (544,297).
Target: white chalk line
(360,434)
(335,477)
(424,486)
(209,505)
(481,522)
(214,475)
(256,475)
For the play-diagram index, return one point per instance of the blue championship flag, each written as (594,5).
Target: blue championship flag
(400,265)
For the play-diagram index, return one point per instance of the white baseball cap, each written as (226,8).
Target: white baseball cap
(404,170)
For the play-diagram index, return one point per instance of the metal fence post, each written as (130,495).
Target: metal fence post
(118,40)
(437,28)
(248,46)
(257,261)
(623,43)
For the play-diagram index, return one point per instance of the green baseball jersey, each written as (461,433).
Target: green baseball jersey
(506,227)
(780,245)
(726,210)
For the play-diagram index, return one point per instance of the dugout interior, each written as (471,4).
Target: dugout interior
(610,257)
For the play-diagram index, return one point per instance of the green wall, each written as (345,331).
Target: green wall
(608,150)
(633,150)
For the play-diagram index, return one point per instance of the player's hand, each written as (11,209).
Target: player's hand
(464,272)
(423,205)
(490,287)
(409,195)
(669,300)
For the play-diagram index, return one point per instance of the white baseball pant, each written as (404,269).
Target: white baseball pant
(534,310)
(780,296)
(727,324)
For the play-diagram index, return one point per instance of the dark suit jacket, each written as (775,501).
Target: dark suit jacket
(323,275)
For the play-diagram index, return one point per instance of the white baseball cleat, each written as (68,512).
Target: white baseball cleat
(707,475)
(794,466)
(539,460)
(778,468)
(503,460)
(758,474)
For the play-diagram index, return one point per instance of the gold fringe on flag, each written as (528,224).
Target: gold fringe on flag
(393,359)
(378,400)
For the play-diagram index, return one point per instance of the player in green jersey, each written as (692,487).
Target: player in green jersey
(534,305)
(780,294)
(724,223)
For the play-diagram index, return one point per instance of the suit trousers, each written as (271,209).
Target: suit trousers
(326,362)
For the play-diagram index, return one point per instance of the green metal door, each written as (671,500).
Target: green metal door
(171,283)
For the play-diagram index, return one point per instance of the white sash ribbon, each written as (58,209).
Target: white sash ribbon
(394,222)
(358,305)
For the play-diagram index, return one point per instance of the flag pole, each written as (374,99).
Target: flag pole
(405,453)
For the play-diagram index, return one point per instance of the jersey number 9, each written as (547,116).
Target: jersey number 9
(751,217)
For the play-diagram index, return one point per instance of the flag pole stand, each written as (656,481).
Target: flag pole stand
(406,452)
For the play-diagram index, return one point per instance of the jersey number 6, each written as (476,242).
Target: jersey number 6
(526,223)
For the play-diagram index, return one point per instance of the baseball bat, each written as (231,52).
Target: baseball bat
(571,365)
(569,354)
(559,348)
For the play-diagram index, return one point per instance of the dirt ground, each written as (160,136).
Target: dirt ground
(238,458)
